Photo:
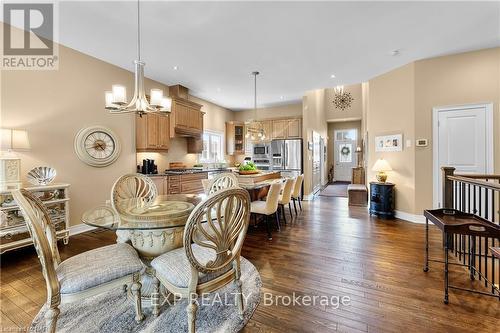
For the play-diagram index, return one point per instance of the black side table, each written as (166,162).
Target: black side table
(382,200)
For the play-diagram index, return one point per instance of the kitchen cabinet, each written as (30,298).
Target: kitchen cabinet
(267,125)
(286,128)
(152,132)
(186,118)
(159,181)
(279,129)
(189,183)
(235,138)
(293,129)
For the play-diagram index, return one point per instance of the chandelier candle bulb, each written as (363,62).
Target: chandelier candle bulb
(109,100)
(156,97)
(119,94)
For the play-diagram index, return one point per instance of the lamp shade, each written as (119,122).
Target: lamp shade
(14,139)
(381,165)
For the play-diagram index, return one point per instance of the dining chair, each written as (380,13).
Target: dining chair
(83,275)
(269,206)
(296,192)
(222,181)
(285,197)
(210,259)
(131,186)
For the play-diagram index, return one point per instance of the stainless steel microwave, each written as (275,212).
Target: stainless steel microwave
(261,149)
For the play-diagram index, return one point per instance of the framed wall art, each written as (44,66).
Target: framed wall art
(387,143)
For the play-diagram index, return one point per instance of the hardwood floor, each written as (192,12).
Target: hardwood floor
(329,250)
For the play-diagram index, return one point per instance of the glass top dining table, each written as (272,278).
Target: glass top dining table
(166,211)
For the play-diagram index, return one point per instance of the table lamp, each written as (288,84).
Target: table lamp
(358,152)
(10,164)
(381,166)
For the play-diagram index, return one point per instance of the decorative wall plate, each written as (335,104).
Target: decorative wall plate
(97,146)
(41,175)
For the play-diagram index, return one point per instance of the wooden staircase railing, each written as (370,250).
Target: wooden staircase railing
(476,194)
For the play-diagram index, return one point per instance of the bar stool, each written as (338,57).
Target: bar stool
(268,207)
(286,197)
(296,192)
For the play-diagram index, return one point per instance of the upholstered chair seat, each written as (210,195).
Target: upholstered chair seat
(96,267)
(262,207)
(174,266)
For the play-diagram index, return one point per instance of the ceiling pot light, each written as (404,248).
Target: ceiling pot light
(116,99)
(333,76)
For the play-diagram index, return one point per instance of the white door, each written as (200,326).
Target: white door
(344,154)
(463,140)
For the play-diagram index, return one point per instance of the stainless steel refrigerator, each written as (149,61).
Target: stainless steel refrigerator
(287,156)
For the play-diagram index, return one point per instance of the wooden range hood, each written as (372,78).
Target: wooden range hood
(186,118)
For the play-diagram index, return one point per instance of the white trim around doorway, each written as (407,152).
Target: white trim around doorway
(435,142)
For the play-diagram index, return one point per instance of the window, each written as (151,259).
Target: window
(342,135)
(212,147)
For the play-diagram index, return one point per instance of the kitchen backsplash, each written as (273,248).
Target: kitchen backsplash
(176,153)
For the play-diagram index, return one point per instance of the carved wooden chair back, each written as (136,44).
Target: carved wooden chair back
(298,186)
(133,186)
(44,239)
(286,196)
(222,181)
(219,225)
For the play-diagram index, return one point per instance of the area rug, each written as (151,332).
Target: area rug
(114,312)
(337,189)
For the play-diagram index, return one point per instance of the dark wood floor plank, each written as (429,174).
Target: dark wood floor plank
(328,250)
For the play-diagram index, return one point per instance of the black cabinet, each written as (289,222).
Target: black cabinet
(382,199)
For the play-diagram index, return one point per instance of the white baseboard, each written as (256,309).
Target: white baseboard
(410,217)
(79,228)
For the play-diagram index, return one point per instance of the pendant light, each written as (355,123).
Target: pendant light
(254,128)
(116,99)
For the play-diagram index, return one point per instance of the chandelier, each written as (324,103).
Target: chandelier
(255,129)
(116,99)
(342,99)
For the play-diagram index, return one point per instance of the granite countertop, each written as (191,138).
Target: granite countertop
(189,171)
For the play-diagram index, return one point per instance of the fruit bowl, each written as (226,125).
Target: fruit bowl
(248,172)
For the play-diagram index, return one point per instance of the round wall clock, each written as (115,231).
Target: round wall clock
(97,146)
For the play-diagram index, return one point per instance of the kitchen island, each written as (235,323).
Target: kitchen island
(258,184)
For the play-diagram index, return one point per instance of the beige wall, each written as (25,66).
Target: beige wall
(355,112)
(54,105)
(313,119)
(401,101)
(466,78)
(290,110)
(391,111)
(340,125)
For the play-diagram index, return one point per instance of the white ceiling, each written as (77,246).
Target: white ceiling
(295,45)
